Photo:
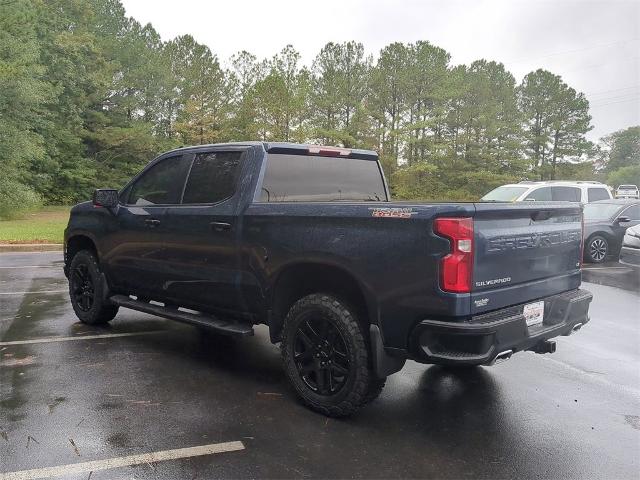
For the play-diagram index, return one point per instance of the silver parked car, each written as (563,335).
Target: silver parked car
(630,252)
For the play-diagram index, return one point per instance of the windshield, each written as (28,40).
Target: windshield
(504,194)
(602,211)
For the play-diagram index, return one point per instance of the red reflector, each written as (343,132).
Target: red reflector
(329,151)
(456,268)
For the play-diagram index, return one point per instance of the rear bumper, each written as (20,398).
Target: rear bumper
(630,256)
(477,341)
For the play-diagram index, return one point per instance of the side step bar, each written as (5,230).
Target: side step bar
(228,327)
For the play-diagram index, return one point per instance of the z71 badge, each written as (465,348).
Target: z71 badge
(392,212)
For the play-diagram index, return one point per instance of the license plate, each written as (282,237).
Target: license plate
(533,313)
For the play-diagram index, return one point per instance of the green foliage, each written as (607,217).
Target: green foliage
(579,171)
(88,96)
(338,85)
(620,157)
(624,149)
(556,121)
(422,181)
(23,93)
(629,175)
(16,199)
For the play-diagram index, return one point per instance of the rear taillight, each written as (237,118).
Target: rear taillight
(456,268)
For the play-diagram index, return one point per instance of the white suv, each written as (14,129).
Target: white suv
(627,191)
(553,190)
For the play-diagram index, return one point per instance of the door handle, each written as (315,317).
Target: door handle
(152,222)
(220,226)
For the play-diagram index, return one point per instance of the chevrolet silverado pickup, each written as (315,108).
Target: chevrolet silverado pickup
(306,240)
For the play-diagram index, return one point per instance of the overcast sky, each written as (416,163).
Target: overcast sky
(593,45)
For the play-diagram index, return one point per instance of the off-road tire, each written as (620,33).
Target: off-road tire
(99,311)
(361,385)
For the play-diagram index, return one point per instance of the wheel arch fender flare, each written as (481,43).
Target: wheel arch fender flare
(297,279)
(76,241)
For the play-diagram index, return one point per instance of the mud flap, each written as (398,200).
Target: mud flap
(383,363)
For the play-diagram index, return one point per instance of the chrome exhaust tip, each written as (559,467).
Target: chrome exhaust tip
(502,357)
(576,327)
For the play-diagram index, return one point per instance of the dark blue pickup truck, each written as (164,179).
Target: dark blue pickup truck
(305,239)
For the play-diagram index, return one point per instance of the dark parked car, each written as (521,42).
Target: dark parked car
(630,253)
(306,240)
(604,225)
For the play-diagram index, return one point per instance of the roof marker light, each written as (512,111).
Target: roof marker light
(329,151)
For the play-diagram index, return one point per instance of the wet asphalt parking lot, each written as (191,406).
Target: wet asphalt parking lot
(147,398)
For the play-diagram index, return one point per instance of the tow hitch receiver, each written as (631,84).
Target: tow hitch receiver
(546,346)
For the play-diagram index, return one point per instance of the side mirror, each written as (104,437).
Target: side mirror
(105,197)
(623,219)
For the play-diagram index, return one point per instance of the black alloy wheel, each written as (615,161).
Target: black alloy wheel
(82,287)
(87,290)
(326,355)
(321,356)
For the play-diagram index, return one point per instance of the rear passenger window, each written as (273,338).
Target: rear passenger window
(596,194)
(161,184)
(212,177)
(308,178)
(540,195)
(566,194)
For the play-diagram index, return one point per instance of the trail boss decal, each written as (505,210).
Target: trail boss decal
(392,212)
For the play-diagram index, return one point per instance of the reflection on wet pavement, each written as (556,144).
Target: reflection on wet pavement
(573,414)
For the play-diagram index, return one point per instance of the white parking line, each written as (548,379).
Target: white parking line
(32,253)
(605,268)
(79,337)
(117,462)
(39,291)
(35,266)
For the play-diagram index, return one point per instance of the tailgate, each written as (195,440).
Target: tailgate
(524,251)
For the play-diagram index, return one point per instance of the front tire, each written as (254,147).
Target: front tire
(86,290)
(597,249)
(326,356)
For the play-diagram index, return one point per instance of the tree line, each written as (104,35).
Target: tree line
(88,96)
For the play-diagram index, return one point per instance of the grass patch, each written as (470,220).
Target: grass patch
(45,226)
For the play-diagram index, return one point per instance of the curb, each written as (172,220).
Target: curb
(30,247)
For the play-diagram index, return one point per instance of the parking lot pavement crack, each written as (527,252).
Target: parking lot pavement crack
(75,447)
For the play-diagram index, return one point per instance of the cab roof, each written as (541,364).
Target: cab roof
(292,148)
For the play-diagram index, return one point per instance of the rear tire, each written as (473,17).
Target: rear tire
(326,356)
(86,290)
(596,249)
